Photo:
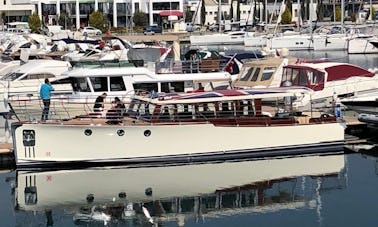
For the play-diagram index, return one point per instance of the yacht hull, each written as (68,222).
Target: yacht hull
(60,144)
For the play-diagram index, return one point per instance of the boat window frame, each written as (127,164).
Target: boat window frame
(256,74)
(77,85)
(13,76)
(38,76)
(101,89)
(268,73)
(247,73)
(121,83)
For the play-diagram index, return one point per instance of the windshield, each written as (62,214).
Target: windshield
(12,76)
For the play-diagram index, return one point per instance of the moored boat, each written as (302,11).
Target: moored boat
(227,38)
(326,79)
(181,127)
(366,105)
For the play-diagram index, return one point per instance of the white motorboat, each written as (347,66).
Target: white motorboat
(363,44)
(25,81)
(226,38)
(330,42)
(366,105)
(328,80)
(157,129)
(255,40)
(122,80)
(324,78)
(290,42)
(333,38)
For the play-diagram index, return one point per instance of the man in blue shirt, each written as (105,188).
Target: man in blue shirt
(45,94)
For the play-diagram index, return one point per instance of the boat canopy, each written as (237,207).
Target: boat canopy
(221,95)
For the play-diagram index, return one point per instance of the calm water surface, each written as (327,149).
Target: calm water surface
(334,190)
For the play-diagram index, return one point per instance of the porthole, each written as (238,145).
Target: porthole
(90,198)
(88,132)
(121,132)
(147,133)
(122,195)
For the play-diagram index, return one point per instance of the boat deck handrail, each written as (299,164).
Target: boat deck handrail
(64,112)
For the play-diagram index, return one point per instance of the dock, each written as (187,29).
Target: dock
(7,159)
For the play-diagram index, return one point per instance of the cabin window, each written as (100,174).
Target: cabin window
(146,87)
(99,83)
(12,76)
(315,78)
(256,74)
(268,73)
(166,113)
(117,84)
(80,84)
(286,74)
(185,111)
(303,78)
(172,87)
(37,76)
(247,75)
(140,109)
(245,107)
(225,109)
(206,110)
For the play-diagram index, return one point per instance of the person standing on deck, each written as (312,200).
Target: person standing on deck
(45,94)
(99,103)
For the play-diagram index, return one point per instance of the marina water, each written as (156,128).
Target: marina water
(334,190)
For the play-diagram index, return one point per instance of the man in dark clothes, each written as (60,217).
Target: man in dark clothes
(99,103)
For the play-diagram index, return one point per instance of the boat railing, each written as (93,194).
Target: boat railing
(62,109)
(192,66)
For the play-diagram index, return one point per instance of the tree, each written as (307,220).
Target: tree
(188,15)
(140,19)
(338,13)
(34,22)
(3,17)
(286,16)
(232,10)
(203,12)
(238,10)
(97,20)
(320,11)
(64,20)
(373,13)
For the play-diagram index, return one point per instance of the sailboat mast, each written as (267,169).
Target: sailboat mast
(299,15)
(342,13)
(219,15)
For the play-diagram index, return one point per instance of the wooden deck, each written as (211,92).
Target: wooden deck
(6,148)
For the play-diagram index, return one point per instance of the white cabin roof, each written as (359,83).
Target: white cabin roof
(144,74)
(223,95)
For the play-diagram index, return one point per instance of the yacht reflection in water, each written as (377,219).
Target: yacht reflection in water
(162,194)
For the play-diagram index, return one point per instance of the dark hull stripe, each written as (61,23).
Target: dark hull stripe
(320,148)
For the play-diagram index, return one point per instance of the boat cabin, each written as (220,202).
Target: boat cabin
(316,75)
(123,82)
(223,107)
(262,73)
